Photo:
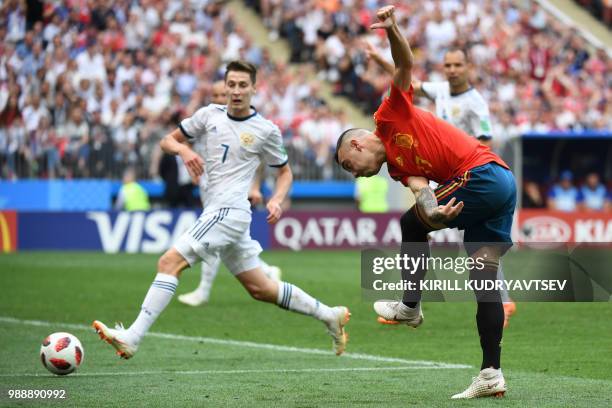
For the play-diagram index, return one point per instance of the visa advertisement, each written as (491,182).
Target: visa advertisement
(111,232)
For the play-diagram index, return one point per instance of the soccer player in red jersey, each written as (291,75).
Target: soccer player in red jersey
(476,193)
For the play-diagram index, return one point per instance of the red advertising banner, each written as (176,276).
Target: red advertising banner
(351,229)
(558,226)
(8,231)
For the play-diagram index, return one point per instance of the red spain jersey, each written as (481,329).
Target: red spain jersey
(420,144)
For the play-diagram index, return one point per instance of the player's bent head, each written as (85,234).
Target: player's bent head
(357,153)
(346,135)
(242,66)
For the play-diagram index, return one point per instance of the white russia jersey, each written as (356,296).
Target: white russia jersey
(232,149)
(468,110)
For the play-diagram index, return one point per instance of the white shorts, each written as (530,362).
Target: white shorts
(225,233)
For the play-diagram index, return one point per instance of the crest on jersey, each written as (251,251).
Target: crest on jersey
(456,111)
(247,139)
(405,140)
(400,161)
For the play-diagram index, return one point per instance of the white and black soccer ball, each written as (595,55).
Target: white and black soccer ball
(61,353)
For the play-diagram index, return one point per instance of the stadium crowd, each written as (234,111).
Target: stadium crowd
(536,73)
(88,88)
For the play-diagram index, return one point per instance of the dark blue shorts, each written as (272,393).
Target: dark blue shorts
(489,196)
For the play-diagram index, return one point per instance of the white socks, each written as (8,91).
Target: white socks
(209,273)
(292,298)
(159,295)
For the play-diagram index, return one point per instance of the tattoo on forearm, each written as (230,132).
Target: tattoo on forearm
(426,199)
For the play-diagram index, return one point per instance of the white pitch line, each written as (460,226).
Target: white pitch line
(249,344)
(204,372)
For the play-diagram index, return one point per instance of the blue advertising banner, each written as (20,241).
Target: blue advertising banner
(111,232)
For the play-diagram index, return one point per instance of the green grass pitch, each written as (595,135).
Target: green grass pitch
(239,352)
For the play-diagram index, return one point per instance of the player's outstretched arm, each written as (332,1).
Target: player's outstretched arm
(284,178)
(373,55)
(437,215)
(400,49)
(175,143)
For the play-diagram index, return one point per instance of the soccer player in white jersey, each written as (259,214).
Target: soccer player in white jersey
(211,264)
(235,139)
(457,101)
(460,104)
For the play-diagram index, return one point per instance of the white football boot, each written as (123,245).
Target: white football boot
(394,311)
(335,327)
(118,338)
(195,298)
(489,383)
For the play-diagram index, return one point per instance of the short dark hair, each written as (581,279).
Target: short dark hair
(242,66)
(464,51)
(340,140)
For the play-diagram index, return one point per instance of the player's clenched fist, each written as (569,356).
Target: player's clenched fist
(386,17)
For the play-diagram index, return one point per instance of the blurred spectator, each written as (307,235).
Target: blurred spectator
(593,194)
(131,196)
(101,153)
(563,196)
(532,197)
(76,133)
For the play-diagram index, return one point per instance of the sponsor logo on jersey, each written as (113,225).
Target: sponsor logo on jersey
(456,111)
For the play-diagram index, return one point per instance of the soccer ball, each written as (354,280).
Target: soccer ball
(61,353)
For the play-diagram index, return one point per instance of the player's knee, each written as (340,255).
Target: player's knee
(491,252)
(413,230)
(170,264)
